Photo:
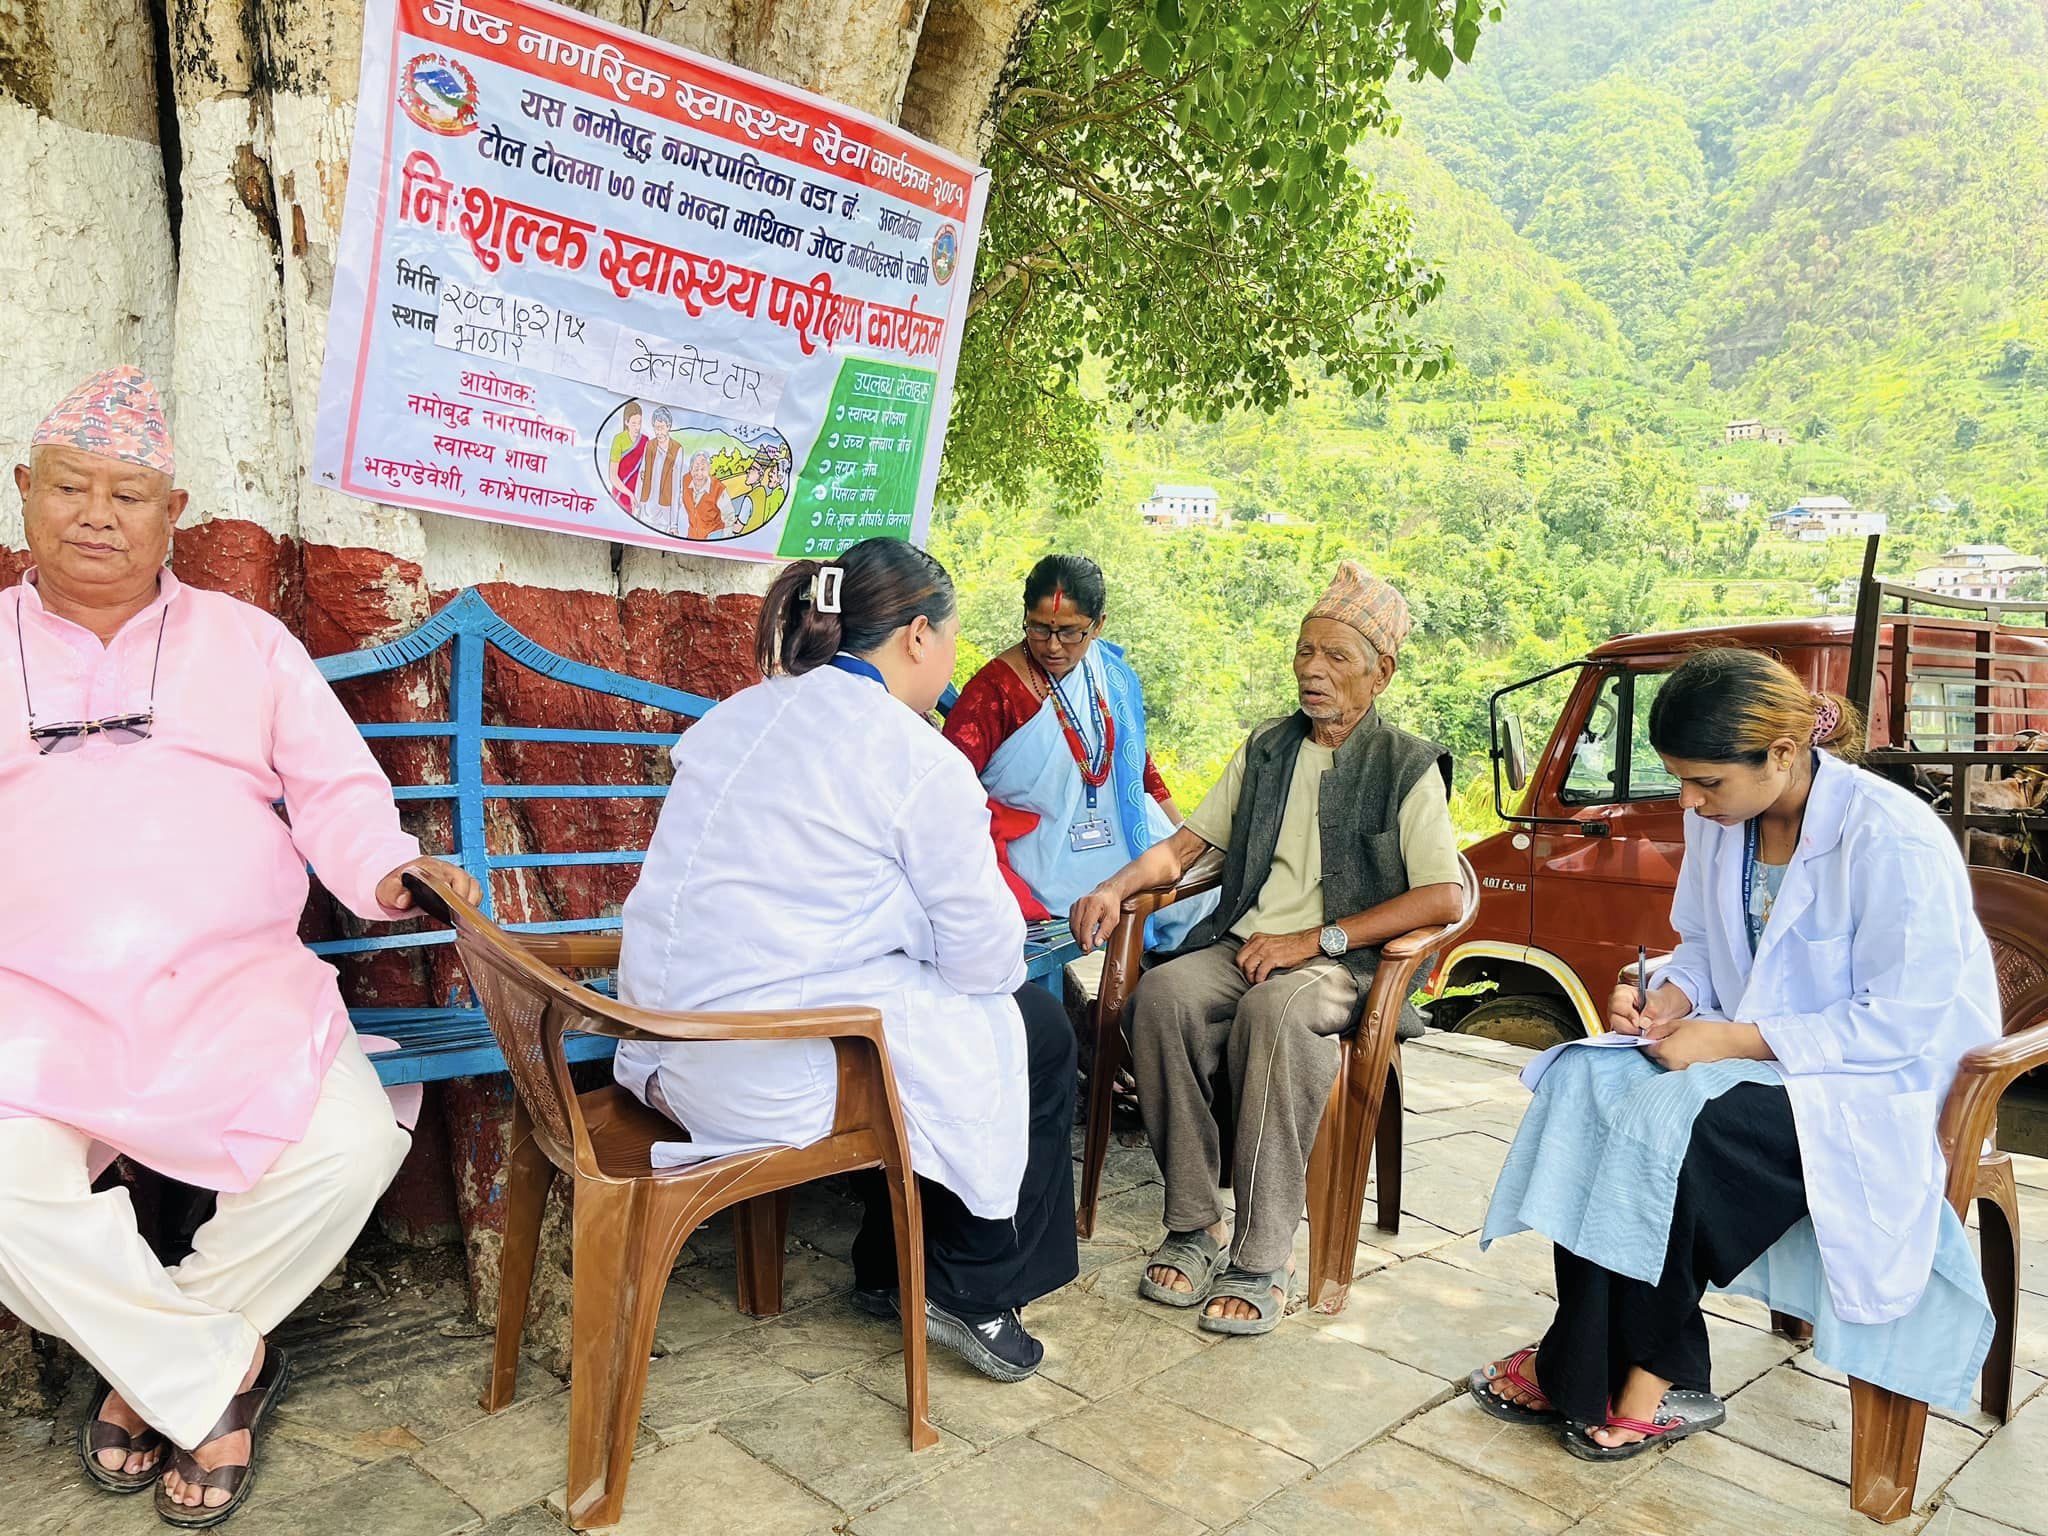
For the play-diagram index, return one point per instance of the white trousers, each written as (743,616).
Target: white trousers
(175,1343)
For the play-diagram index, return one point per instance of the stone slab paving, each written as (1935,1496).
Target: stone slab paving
(1175,1455)
(2008,1479)
(1390,1487)
(1798,1418)
(844,1443)
(1138,1423)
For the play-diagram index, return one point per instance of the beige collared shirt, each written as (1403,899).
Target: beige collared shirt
(1291,900)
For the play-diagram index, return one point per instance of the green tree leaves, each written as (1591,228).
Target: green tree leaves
(1172,195)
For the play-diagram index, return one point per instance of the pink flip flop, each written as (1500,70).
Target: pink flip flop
(1479,1384)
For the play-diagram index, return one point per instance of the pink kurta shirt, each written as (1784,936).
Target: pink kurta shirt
(153,990)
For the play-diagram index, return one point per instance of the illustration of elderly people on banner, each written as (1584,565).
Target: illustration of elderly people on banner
(596,285)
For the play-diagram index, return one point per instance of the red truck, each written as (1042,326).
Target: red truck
(1585,870)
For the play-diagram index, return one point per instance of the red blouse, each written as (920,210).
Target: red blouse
(993,707)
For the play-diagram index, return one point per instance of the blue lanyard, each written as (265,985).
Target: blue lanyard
(845,661)
(1749,842)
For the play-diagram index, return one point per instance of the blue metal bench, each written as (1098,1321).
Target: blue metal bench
(435,1043)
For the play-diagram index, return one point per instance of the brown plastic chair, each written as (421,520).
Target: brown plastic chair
(1884,1457)
(631,1219)
(1362,1119)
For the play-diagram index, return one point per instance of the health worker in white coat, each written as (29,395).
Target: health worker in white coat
(1830,975)
(822,845)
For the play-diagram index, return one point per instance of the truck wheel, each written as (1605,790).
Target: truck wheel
(1524,1019)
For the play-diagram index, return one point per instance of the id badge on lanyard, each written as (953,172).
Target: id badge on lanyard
(1093,830)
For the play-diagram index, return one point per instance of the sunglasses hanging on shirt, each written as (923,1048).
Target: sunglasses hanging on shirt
(68,736)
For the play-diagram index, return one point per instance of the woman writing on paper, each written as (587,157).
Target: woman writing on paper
(821,845)
(1055,727)
(1776,1135)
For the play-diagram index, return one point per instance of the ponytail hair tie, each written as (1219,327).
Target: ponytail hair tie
(824,589)
(1825,719)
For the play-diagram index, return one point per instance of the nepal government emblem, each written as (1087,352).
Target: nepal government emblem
(439,94)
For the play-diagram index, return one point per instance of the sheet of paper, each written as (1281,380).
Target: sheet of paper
(1532,1074)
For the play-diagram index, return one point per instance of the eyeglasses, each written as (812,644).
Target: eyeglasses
(119,730)
(1066,634)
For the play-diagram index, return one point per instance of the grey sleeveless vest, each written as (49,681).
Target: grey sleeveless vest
(1360,823)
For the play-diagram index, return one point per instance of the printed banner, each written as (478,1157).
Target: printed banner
(596,285)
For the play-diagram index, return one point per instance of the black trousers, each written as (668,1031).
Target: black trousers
(974,1267)
(1740,1189)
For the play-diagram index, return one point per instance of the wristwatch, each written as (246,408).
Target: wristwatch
(1334,941)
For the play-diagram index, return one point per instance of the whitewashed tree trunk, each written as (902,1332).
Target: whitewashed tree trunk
(229,312)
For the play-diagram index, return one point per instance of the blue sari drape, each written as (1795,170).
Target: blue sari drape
(1034,771)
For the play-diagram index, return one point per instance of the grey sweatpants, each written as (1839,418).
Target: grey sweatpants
(1188,1017)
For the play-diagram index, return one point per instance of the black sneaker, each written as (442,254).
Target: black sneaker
(996,1346)
(878,1302)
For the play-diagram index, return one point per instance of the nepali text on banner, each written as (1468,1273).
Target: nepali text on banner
(592,284)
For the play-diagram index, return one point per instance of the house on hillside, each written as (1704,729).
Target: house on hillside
(1180,506)
(1751,429)
(1275,519)
(1984,571)
(1816,519)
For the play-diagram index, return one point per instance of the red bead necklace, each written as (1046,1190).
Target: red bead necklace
(1095,774)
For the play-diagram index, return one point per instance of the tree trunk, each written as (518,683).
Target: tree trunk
(174,173)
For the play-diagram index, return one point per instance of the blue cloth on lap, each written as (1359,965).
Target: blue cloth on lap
(1594,1168)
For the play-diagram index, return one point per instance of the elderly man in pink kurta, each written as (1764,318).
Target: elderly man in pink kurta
(154,995)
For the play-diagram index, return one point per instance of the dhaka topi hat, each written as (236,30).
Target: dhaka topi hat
(1368,605)
(116,414)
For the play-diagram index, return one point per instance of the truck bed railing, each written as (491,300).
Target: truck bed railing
(1989,679)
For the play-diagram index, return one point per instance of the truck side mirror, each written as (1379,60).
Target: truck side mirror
(1517,753)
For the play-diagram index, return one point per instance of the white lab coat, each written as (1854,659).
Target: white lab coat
(824,845)
(1872,978)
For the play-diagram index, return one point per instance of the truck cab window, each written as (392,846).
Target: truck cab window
(1590,780)
(1612,759)
(1943,712)
(1648,778)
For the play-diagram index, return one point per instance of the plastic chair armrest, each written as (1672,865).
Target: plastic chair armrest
(572,951)
(1971,1111)
(620,1022)
(1205,874)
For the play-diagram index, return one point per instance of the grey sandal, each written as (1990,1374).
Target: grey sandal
(1679,1415)
(1256,1288)
(1194,1254)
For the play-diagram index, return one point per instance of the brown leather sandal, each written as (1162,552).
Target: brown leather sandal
(245,1410)
(96,1435)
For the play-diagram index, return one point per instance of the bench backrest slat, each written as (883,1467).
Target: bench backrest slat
(469,628)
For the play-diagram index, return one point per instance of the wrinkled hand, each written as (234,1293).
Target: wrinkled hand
(392,892)
(1668,1005)
(1094,918)
(1265,953)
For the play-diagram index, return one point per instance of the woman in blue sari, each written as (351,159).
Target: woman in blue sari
(1055,727)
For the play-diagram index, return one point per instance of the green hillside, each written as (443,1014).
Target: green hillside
(1839,207)
(1830,215)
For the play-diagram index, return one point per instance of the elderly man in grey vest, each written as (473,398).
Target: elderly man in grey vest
(1337,835)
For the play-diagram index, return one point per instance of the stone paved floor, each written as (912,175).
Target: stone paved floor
(1138,1423)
